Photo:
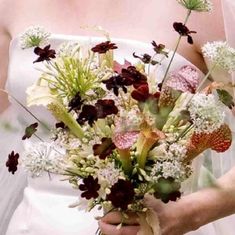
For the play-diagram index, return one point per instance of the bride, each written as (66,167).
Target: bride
(44,203)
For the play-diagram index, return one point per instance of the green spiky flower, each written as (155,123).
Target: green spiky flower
(196,5)
(69,74)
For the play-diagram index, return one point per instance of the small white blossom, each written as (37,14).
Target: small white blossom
(197,5)
(41,157)
(221,54)
(206,112)
(172,169)
(169,152)
(109,175)
(34,36)
(69,49)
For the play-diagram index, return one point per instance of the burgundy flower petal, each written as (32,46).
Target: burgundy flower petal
(75,103)
(134,77)
(103,47)
(141,94)
(122,194)
(90,187)
(183,31)
(12,162)
(44,53)
(29,131)
(104,149)
(105,108)
(159,48)
(89,114)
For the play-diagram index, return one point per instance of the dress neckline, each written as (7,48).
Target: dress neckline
(73,37)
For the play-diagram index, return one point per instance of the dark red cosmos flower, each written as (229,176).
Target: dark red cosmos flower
(44,53)
(122,194)
(104,149)
(12,162)
(117,82)
(89,113)
(60,125)
(105,108)
(134,77)
(90,187)
(30,130)
(75,103)
(184,31)
(142,94)
(103,47)
(159,48)
(146,59)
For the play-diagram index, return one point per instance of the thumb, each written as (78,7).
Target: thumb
(151,202)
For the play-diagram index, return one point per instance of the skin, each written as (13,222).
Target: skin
(147,22)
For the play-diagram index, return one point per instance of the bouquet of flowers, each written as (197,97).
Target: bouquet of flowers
(122,132)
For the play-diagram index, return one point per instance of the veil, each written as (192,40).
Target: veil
(221,163)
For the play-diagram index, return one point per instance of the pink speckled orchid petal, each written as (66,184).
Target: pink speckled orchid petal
(124,140)
(117,67)
(186,79)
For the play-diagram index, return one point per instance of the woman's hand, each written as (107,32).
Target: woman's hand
(176,218)
(108,224)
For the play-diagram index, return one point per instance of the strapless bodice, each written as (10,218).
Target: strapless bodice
(22,72)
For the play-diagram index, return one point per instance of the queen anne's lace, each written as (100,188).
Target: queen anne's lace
(206,112)
(34,36)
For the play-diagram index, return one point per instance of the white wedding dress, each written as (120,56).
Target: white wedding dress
(44,208)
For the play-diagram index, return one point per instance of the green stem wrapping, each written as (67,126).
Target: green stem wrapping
(176,48)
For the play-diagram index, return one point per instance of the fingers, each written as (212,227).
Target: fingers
(116,218)
(109,229)
(152,202)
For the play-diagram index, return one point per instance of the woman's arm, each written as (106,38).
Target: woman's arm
(4,53)
(187,214)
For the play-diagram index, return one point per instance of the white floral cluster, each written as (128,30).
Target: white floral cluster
(169,162)
(34,36)
(108,175)
(221,54)
(66,140)
(169,152)
(41,157)
(170,169)
(69,49)
(206,112)
(197,5)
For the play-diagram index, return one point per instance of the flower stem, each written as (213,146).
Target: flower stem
(206,77)
(176,48)
(26,109)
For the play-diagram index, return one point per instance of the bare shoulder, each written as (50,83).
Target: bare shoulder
(209,26)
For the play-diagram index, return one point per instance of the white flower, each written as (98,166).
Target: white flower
(109,175)
(197,5)
(34,36)
(69,49)
(221,54)
(40,157)
(206,112)
(172,169)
